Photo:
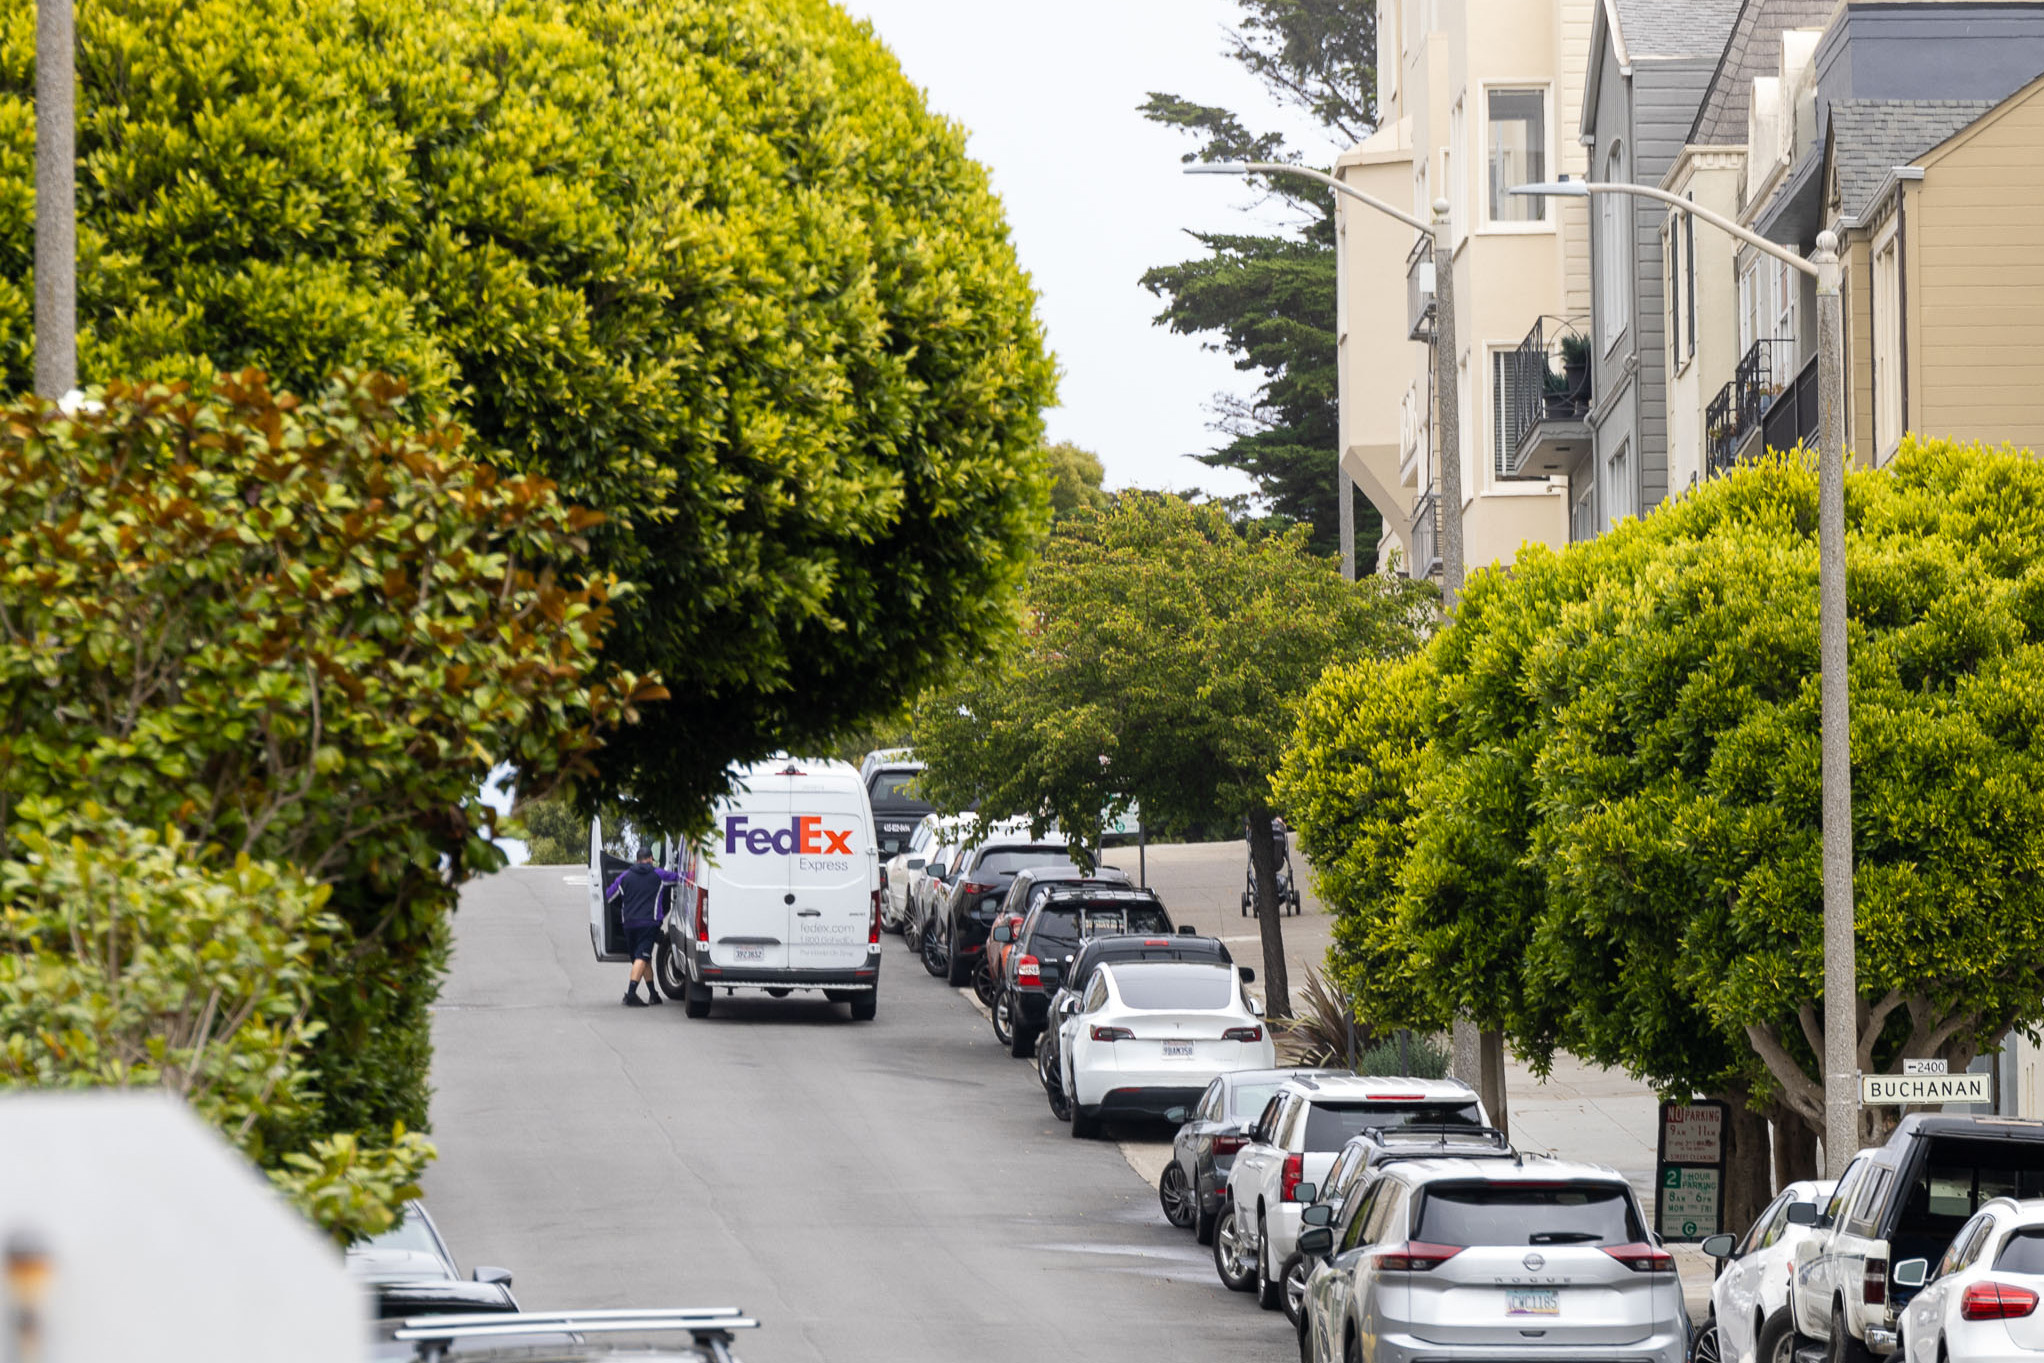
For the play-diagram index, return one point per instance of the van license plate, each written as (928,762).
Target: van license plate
(1536,1302)
(1178,1050)
(750,954)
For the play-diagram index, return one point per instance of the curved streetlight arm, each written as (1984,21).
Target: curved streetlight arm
(1278,168)
(1578,189)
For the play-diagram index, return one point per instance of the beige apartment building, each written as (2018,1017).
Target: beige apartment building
(1474,96)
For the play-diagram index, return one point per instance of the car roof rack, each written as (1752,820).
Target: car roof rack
(708,1326)
(1435,1134)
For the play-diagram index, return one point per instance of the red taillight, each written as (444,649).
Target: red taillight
(1642,1258)
(1156,941)
(1414,1256)
(873,924)
(1113,1034)
(974,887)
(1228,1145)
(1873,1283)
(1288,1179)
(1243,1034)
(702,915)
(1996,1301)
(1028,970)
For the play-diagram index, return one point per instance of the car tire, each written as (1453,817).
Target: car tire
(985,987)
(1175,1195)
(936,960)
(957,968)
(1085,1123)
(1706,1347)
(1292,1289)
(1776,1339)
(669,976)
(912,933)
(1203,1225)
(697,1001)
(1002,1016)
(866,1006)
(1235,1275)
(1269,1290)
(1842,1347)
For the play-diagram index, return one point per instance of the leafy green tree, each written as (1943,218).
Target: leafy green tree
(1271,299)
(710,266)
(1164,661)
(556,833)
(300,633)
(1075,479)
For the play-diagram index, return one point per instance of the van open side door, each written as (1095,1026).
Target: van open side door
(606,929)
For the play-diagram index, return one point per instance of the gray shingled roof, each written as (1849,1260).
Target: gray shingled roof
(1754,49)
(1869,137)
(1675,28)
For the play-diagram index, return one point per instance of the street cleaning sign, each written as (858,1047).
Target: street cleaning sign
(1909,1089)
(1689,1187)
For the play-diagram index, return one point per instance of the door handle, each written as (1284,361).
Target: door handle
(809,913)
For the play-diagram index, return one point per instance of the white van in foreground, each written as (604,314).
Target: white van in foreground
(784,894)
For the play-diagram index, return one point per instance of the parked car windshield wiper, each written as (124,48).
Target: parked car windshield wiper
(1562,1237)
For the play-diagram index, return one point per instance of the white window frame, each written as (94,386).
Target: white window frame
(1889,379)
(1614,257)
(1545,225)
(1616,474)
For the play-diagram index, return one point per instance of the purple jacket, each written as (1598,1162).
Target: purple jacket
(640,890)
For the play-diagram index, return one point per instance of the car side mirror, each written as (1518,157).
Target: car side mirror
(1069,1006)
(1305,1192)
(1248,975)
(1177,1116)
(485,1274)
(1319,1214)
(1912,1272)
(1317,1241)
(1802,1213)
(1187,930)
(1256,1007)
(1002,934)
(1719,1246)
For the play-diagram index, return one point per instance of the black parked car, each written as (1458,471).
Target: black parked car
(1077,972)
(1028,888)
(895,812)
(953,942)
(1055,928)
(1195,1181)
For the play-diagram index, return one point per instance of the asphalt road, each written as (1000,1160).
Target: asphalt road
(894,1190)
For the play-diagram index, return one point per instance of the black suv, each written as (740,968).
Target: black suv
(1061,920)
(957,932)
(895,812)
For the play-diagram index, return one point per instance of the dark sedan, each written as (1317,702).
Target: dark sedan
(1195,1182)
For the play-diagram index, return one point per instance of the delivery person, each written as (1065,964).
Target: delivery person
(638,889)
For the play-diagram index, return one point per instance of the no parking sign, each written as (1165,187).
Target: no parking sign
(1689,1187)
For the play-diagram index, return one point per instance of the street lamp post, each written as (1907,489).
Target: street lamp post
(1446,381)
(1841,968)
(56,233)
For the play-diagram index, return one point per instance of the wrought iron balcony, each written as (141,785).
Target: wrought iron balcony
(1543,407)
(1793,416)
(1426,537)
(1733,422)
(1419,291)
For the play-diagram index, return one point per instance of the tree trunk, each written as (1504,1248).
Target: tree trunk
(1795,1146)
(1491,1088)
(1277,991)
(1747,1164)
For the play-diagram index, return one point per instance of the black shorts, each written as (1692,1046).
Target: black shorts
(639,939)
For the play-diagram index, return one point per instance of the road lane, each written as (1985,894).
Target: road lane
(891,1190)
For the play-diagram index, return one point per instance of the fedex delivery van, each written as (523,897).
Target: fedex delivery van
(783,894)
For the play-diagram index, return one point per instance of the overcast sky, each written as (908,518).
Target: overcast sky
(1048,91)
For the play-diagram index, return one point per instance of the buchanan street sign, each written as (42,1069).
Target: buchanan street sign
(1924,1088)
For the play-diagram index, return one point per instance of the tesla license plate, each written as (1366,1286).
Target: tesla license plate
(1538,1301)
(1178,1050)
(745,954)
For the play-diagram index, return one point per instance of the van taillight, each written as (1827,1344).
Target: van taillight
(702,915)
(873,924)
(1028,970)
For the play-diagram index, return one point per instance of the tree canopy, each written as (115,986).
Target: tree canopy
(1076,476)
(1163,662)
(712,268)
(1589,814)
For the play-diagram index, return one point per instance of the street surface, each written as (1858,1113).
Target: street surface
(892,1190)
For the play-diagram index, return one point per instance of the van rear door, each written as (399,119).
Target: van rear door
(606,930)
(747,876)
(831,877)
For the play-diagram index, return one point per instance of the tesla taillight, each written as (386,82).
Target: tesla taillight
(1243,1034)
(873,924)
(1028,970)
(1642,1258)
(1227,1145)
(1996,1301)
(702,915)
(1414,1256)
(1290,1176)
(1113,1034)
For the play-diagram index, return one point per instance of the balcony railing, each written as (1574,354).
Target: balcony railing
(1426,537)
(1536,389)
(1793,416)
(1419,291)
(1741,406)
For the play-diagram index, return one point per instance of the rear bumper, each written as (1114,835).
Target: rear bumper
(1143,1102)
(865,977)
(1669,1347)
(1031,1006)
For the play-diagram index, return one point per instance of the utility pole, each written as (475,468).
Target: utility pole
(56,189)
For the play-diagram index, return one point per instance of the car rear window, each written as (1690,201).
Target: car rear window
(1069,920)
(891,788)
(1164,984)
(1329,1124)
(2022,1252)
(1960,1175)
(1005,861)
(1527,1214)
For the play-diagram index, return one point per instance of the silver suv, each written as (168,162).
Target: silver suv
(1516,1259)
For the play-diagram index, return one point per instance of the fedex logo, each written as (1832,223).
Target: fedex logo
(805,834)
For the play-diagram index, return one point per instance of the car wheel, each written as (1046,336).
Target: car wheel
(1353,1353)
(1842,1347)
(984,987)
(912,933)
(1175,1195)
(957,969)
(866,1006)
(1292,1288)
(1269,1290)
(936,960)
(1004,1022)
(668,974)
(697,1002)
(1233,1259)
(1085,1124)
(1776,1338)
(1203,1225)
(1705,1347)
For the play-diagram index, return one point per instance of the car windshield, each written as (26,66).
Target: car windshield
(409,1235)
(1329,1125)
(1165,984)
(1527,1214)
(1005,861)
(891,788)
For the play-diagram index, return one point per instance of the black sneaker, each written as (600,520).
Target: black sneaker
(653,994)
(632,1000)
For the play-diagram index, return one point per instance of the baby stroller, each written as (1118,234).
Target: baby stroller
(1287,882)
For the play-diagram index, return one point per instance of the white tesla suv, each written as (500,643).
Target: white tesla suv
(1149,1036)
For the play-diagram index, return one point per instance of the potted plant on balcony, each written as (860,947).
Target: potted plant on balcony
(1575,366)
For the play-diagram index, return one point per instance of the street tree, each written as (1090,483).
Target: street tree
(1163,661)
(710,266)
(1268,300)
(1076,476)
(1608,816)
